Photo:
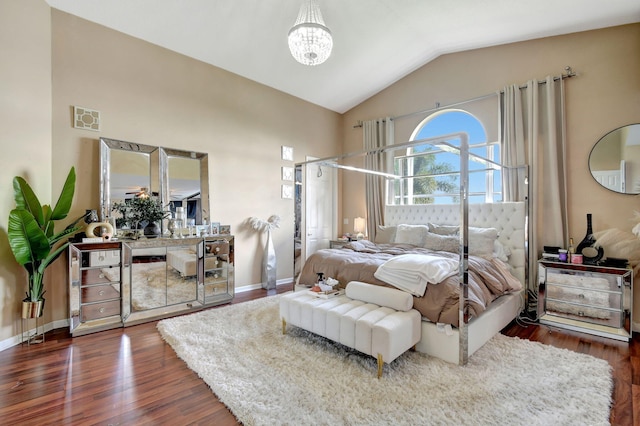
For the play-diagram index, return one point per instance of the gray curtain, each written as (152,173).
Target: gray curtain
(533,133)
(377,134)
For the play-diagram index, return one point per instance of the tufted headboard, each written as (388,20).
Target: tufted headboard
(507,217)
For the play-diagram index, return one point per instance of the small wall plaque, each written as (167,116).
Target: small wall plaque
(87,119)
(287,153)
(287,173)
(287,191)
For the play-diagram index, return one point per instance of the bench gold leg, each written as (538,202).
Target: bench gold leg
(380,365)
(284,326)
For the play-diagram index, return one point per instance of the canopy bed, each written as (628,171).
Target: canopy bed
(476,279)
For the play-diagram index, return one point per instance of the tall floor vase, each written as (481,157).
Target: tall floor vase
(269,264)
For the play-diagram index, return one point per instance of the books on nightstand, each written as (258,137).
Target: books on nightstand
(551,253)
(550,256)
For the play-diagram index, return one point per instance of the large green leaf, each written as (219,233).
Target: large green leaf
(48,225)
(28,242)
(67,232)
(53,256)
(63,205)
(26,199)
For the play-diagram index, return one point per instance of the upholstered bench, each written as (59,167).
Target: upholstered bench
(374,320)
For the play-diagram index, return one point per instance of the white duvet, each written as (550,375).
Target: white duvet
(412,272)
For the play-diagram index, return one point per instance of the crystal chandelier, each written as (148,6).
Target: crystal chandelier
(310,41)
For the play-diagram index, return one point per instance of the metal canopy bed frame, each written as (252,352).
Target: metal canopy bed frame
(453,344)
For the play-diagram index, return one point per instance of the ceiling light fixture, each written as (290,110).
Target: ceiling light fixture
(310,40)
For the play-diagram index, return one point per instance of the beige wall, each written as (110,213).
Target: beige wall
(150,95)
(25,132)
(604,96)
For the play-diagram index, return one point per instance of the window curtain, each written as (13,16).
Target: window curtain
(532,133)
(377,134)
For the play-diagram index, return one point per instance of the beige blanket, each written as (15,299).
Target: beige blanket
(488,278)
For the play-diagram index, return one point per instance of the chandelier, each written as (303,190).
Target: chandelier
(310,40)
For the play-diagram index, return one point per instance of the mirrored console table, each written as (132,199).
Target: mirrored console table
(147,279)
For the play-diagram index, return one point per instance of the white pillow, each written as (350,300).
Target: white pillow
(411,234)
(443,229)
(482,241)
(378,295)
(439,242)
(500,251)
(385,234)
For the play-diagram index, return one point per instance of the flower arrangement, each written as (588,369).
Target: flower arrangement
(265,225)
(140,209)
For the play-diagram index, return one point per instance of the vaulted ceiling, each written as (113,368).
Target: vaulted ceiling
(376,42)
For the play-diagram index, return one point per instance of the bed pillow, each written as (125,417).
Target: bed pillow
(500,251)
(378,295)
(443,229)
(385,234)
(411,234)
(437,242)
(482,241)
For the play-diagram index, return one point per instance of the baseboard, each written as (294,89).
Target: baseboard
(17,339)
(258,286)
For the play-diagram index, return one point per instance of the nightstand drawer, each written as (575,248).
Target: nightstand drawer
(100,310)
(99,293)
(585,280)
(608,317)
(576,295)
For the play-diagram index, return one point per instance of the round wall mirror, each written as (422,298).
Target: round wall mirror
(614,161)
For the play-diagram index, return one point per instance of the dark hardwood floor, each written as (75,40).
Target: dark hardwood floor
(130,376)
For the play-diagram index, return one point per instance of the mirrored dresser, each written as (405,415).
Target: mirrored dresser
(130,282)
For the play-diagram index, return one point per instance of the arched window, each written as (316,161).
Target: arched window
(435,173)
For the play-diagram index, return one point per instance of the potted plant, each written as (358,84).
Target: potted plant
(142,211)
(33,239)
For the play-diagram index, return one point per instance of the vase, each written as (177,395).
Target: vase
(590,254)
(269,264)
(32,309)
(152,230)
(171,227)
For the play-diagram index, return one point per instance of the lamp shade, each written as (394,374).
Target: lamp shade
(310,41)
(359,226)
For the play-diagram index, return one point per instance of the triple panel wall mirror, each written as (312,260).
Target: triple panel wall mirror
(178,178)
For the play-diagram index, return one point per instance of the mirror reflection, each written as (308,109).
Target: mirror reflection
(156,280)
(128,170)
(178,178)
(186,186)
(614,161)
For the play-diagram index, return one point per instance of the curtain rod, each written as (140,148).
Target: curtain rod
(569,73)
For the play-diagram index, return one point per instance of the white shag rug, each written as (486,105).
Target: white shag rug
(267,378)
